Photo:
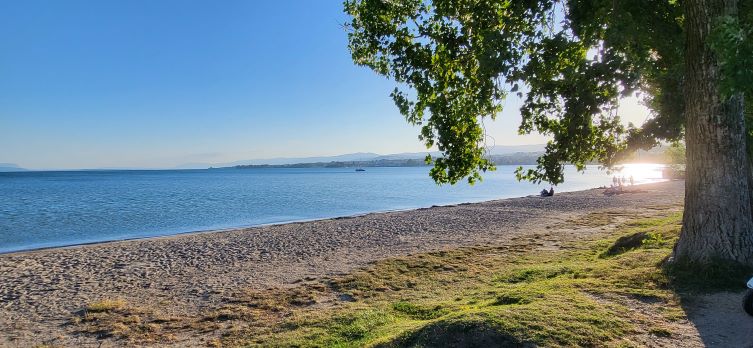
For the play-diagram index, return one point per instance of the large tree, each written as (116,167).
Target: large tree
(455,61)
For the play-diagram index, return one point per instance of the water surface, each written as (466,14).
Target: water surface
(47,209)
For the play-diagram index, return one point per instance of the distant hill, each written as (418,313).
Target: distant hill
(361,157)
(403,160)
(492,151)
(194,166)
(511,149)
(358,156)
(11,167)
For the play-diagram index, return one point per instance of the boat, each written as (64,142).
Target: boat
(360,170)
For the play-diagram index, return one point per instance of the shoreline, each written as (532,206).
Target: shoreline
(286,222)
(188,273)
(235,228)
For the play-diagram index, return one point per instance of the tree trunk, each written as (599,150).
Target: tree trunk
(717,222)
(748,111)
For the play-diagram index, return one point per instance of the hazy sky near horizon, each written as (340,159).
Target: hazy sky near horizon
(157,84)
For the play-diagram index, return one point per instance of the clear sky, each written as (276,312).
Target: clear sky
(158,83)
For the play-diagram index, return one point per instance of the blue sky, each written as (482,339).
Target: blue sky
(157,83)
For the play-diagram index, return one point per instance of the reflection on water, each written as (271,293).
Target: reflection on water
(642,173)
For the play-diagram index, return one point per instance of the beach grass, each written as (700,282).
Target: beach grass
(610,290)
(106,305)
(584,294)
(118,319)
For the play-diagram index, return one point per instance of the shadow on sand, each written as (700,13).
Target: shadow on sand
(719,319)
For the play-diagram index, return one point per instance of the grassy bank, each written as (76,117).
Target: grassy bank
(577,296)
(608,291)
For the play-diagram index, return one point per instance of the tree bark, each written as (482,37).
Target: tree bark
(717,221)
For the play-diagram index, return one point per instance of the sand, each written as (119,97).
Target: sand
(186,273)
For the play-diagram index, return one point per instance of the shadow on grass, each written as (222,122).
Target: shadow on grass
(448,333)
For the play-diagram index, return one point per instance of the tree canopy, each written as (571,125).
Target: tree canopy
(455,62)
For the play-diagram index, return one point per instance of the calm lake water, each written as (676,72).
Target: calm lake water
(47,209)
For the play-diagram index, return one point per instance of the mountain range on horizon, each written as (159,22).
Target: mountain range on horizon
(350,157)
(375,158)
(358,157)
(11,167)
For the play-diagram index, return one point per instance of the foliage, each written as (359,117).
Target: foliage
(676,153)
(573,60)
(452,54)
(732,41)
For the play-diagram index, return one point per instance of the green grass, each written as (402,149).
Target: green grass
(105,305)
(578,296)
(600,292)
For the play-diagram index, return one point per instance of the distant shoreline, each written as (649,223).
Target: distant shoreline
(323,165)
(517,158)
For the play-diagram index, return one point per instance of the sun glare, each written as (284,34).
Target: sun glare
(642,173)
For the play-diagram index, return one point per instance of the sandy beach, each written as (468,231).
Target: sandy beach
(185,274)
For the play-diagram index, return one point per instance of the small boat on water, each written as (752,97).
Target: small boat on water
(360,170)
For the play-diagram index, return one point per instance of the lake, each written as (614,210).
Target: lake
(60,208)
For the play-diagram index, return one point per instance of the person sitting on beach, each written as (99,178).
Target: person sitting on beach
(545,193)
